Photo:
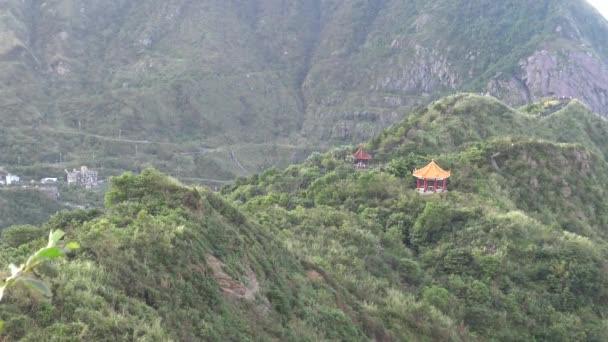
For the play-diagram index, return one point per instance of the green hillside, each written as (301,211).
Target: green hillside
(515,251)
(212,89)
(169,262)
(19,206)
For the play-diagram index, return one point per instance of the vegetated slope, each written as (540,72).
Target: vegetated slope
(516,250)
(207,90)
(169,262)
(18,206)
(35,204)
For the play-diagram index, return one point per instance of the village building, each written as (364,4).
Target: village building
(8,179)
(431,179)
(361,158)
(83,177)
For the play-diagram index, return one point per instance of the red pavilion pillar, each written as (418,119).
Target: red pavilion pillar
(435,185)
(426,184)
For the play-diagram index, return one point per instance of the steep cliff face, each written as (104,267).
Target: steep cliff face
(578,74)
(574,64)
(261,80)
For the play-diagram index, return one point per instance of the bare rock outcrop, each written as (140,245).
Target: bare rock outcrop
(427,72)
(565,73)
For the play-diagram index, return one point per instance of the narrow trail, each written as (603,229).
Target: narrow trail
(236,161)
(102,137)
(228,151)
(202,151)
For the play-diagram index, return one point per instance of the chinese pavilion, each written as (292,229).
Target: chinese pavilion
(361,158)
(431,173)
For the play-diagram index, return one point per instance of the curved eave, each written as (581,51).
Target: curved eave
(433,178)
(431,171)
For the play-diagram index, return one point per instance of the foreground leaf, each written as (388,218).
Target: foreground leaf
(55,236)
(72,245)
(14,269)
(49,252)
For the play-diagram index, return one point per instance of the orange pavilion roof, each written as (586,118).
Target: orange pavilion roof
(431,171)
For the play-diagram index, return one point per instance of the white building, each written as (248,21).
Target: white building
(84,177)
(12,179)
(8,179)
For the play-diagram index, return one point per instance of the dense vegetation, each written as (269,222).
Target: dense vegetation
(516,250)
(165,261)
(31,205)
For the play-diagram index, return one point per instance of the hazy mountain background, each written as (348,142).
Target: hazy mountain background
(207,90)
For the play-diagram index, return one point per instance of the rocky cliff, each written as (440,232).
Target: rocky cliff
(576,74)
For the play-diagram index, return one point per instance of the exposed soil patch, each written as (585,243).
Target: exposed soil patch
(229,285)
(314,275)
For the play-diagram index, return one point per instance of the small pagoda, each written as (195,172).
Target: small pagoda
(361,158)
(431,179)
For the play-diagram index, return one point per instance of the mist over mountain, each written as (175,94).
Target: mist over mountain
(207,90)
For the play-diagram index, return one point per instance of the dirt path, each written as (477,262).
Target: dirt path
(236,161)
(101,137)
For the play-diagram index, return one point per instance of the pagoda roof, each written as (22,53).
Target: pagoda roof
(361,155)
(431,171)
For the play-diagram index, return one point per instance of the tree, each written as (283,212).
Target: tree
(397,168)
(403,166)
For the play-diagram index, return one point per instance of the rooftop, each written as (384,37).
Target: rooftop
(361,155)
(431,171)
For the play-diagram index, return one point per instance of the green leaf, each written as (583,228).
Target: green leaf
(37,285)
(49,252)
(72,245)
(1,325)
(55,236)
